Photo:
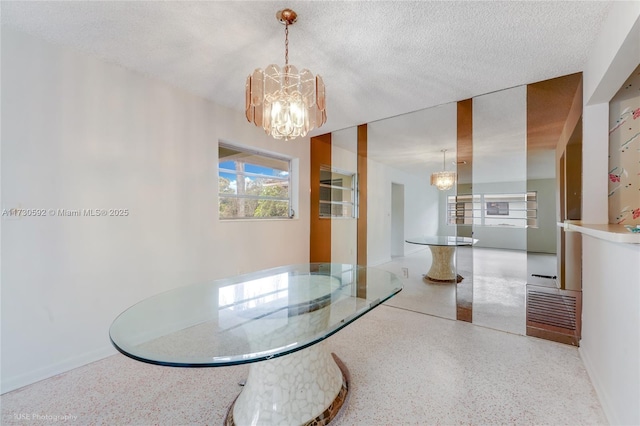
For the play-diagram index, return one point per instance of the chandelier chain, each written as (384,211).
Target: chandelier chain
(286,44)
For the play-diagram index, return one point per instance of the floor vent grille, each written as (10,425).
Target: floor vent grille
(554,314)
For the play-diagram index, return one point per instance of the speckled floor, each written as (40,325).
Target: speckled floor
(499,285)
(406,368)
(417,295)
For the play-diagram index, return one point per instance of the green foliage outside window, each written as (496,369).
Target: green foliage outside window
(251,185)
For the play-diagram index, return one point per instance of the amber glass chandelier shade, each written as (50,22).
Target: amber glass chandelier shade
(443,180)
(285,102)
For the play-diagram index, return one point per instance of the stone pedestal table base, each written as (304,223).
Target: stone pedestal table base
(307,387)
(442,269)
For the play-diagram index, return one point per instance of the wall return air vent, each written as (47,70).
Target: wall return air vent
(554,314)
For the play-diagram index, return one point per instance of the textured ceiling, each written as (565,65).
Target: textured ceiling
(378,59)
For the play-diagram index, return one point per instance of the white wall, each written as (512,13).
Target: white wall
(78,133)
(397,219)
(421,210)
(610,344)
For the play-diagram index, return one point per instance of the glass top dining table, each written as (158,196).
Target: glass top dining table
(279,316)
(242,319)
(439,240)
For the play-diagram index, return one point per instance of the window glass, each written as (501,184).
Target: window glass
(252,184)
(337,193)
(517,210)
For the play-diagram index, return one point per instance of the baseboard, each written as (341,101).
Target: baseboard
(12,383)
(609,413)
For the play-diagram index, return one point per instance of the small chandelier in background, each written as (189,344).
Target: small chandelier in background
(283,101)
(443,180)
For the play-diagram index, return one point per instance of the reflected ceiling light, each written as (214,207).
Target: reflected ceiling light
(443,180)
(283,101)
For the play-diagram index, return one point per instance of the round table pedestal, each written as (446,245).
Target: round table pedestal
(442,269)
(307,387)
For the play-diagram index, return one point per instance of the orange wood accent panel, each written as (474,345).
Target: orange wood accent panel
(465,130)
(551,105)
(464,150)
(362,199)
(320,238)
(362,209)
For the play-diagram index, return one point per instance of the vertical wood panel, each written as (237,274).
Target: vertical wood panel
(362,210)
(362,200)
(464,149)
(320,238)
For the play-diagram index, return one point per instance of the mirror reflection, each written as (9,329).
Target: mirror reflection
(504,149)
(499,189)
(403,152)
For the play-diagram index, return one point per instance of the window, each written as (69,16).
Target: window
(337,193)
(464,209)
(517,210)
(253,184)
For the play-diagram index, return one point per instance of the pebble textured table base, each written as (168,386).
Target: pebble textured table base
(442,251)
(308,384)
(442,269)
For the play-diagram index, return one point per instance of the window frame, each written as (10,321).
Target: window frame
(290,182)
(472,209)
(353,190)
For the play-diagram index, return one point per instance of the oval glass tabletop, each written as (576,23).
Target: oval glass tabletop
(442,241)
(251,317)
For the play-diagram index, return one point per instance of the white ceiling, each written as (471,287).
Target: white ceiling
(378,58)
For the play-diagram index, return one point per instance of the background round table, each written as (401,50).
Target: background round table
(442,250)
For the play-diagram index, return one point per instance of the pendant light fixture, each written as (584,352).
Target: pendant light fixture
(443,180)
(285,102)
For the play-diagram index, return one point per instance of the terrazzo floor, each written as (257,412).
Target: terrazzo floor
(499,285)
(437,299)
(406,368)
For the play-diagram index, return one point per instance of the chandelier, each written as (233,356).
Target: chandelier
(443,180)
(283,101)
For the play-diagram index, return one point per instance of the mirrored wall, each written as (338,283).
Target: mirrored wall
(499,187)
(403,206)
(503,146)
